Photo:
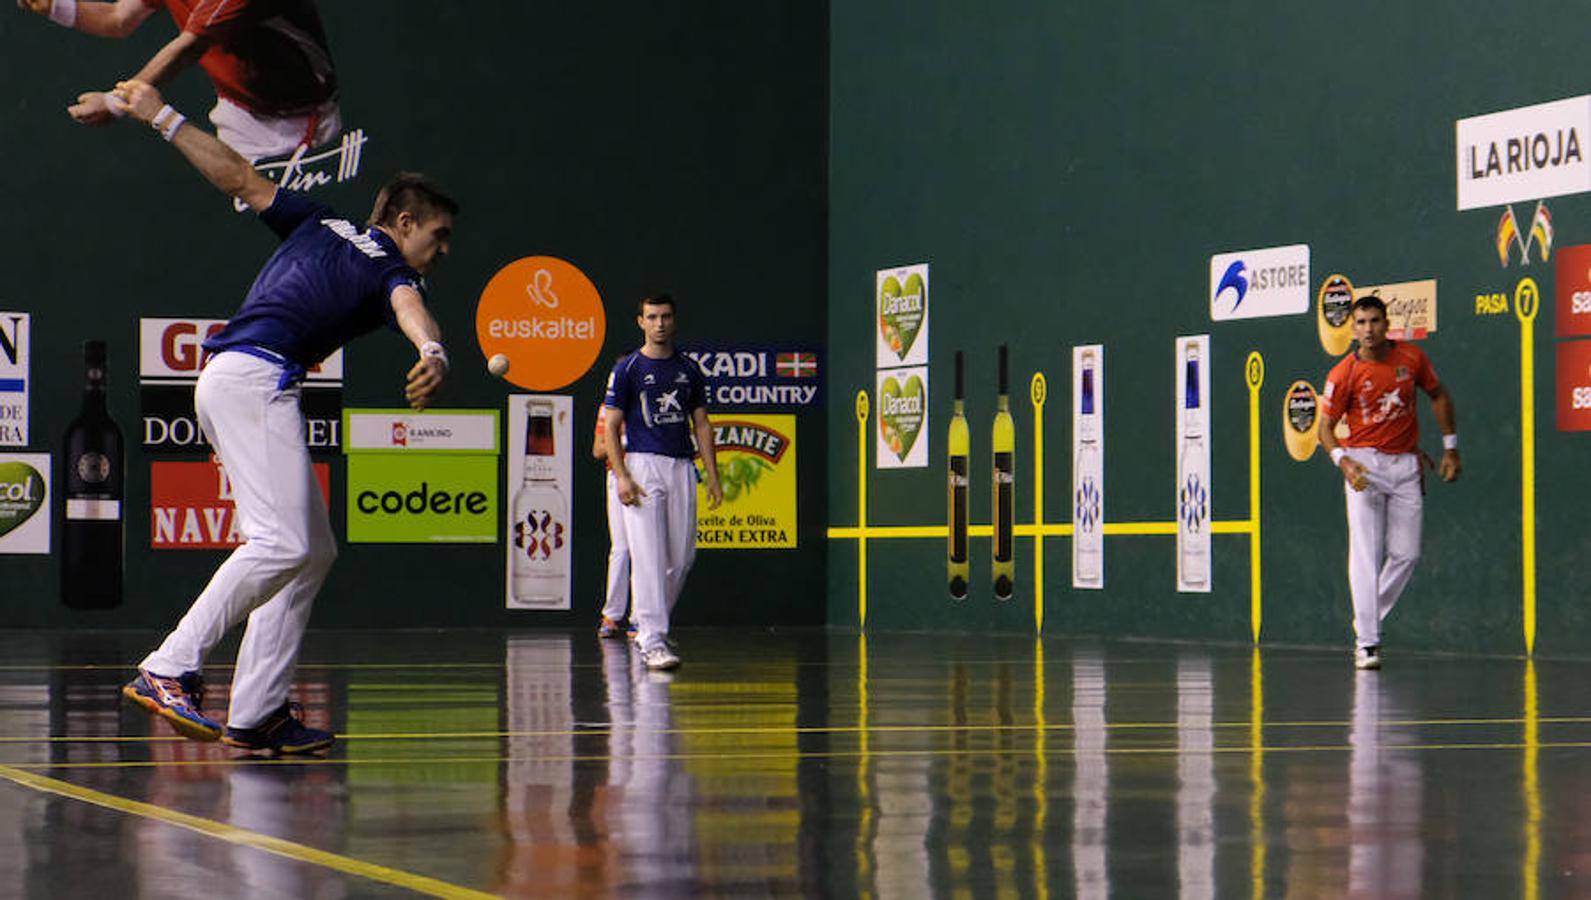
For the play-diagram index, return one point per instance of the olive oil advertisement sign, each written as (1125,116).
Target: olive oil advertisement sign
(757,469)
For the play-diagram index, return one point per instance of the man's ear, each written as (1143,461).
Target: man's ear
(404,223)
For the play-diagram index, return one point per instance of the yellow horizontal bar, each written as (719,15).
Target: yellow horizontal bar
(887,532)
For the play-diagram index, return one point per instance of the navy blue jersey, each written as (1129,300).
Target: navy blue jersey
(657,397)
(328,283)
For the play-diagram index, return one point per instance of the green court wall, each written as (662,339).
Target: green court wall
(1068,170)
(674,148)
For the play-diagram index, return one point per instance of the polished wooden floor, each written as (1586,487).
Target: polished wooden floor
(808,763)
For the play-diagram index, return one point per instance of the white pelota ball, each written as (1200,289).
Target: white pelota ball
(498,365)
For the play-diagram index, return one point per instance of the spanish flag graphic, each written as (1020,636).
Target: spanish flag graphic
(1507,234)
(1541,230)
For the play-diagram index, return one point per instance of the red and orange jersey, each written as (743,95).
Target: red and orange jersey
(1377,399)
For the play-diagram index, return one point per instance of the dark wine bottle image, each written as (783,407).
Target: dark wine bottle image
(92,485)
(1004,441)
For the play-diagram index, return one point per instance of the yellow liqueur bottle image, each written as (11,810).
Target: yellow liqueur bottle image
(1004,444)
(1193,496)
(959,443)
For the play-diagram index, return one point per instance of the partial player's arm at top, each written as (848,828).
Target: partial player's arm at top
(218,163)
(425,378)
(703,427)
(116,19)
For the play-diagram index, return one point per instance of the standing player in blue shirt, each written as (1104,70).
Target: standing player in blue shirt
(658,398)
(329,282)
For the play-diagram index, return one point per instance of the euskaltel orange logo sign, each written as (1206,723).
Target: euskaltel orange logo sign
(546,317)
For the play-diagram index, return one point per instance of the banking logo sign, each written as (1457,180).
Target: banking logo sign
(15,329)
(1524,154)
(1252,284)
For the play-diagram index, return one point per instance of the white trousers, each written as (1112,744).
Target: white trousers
(255,137)
(617,601)
(1384,522)
(662,537)
(258,433)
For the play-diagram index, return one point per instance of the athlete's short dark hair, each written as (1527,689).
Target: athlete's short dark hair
(412,193)
(654,300)
(1369,301)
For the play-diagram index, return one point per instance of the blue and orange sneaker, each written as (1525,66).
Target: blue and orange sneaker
(177,700)
(281,732)
(615,630)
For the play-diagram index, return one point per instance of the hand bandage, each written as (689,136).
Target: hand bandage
(434,350)
(64,12)
(1450,441)
(167,121)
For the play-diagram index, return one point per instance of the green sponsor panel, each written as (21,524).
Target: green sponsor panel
(422,498)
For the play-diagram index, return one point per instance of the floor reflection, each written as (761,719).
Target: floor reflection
(808,763)
(1386,840)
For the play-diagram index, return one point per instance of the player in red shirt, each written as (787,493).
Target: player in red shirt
(275,84)
(1372,391)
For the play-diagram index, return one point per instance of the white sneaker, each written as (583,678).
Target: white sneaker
(659,658)
(1367,658)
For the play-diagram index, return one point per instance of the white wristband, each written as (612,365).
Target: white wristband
(114,104)
(1450,441)
(1337,455)
(434,350)
(167,121)
(64,12)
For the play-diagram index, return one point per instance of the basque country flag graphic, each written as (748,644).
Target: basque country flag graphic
(797,365)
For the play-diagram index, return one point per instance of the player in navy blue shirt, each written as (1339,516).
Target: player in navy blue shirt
(329,282)
(658,397)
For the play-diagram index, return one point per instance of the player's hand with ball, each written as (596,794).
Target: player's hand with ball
(143,100)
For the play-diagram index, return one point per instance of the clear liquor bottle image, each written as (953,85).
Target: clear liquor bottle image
(540,567)
(1193,479)
(1088,537)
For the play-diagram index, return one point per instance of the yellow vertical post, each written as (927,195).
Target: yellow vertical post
(1527,300)
(861,509)
(1038,390)
(1254,372)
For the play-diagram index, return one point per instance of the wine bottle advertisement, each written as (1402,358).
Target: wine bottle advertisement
(901,306)
(902,418)
(24,503)
(539,487)
(1192,430)
(1088,466)
(15,332)
(757,470)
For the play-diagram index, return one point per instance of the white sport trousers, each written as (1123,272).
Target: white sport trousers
(257,431)
(662,537)
(616,603)
(1384,522)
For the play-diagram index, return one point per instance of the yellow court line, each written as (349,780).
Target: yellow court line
(717,756)
(752,730)
(233,835)
(1254,375)
(1029,529)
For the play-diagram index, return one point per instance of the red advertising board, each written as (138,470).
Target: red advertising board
(190,505)
(1574,386)
(1573,286)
